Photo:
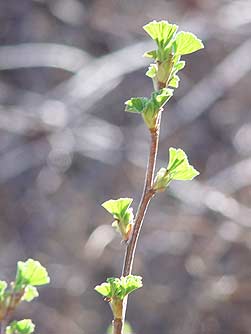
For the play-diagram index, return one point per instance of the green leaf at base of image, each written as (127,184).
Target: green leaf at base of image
(119,287)
(149,107)
(122,213)
(178,169)
(25,326)
(30,272)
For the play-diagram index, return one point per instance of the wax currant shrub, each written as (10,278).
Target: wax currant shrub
(170,46)
(29,275)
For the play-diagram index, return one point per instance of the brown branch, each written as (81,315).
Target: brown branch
(147,195)
(117,325)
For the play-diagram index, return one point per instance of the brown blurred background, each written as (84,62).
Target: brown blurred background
(66,68)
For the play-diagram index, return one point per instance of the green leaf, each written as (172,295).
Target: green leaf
(179,65)
(123,215)
(179,167)
(150,54)
(161,97)
(119,287)
(104,289)
(31,273)
(117,207)
(186,42)
(162,180)
(162,32)
(174,82)
(136,104)
(3,287)
(30,293)
(131,283)
(150,107)
(25,326)
(152,71)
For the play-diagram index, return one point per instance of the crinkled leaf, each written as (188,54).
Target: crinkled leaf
(31,273)
(161,97)
(186,42)
(131,283)
(161,32)
(152,71)
(174,82)
(150,106)
(25,326)
(136,104)
(119,287)
(179,167)
(30,293)
(104,289)
(117,207)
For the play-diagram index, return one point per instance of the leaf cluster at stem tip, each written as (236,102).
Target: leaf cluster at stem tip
(167,63)
(170,47)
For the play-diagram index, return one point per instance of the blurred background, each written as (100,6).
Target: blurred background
(66,146)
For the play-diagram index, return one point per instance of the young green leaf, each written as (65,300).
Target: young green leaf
(174,82)
(161,32)
(186,42)
(31,273)
(104,289)
(131,283)
(152,71)
(161,180)
(119,287)
(150,106)
(136,104)
(25,326)
(117,207)
(178,169)
(151,54)
(123,215)
(30,293)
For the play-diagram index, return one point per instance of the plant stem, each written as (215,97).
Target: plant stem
(2,327)
(146,197)
(117,325)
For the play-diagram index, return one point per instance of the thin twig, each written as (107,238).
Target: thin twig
(147,195)
(2,327)
(117,325)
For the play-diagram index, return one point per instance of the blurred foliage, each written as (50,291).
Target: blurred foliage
(66,69)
